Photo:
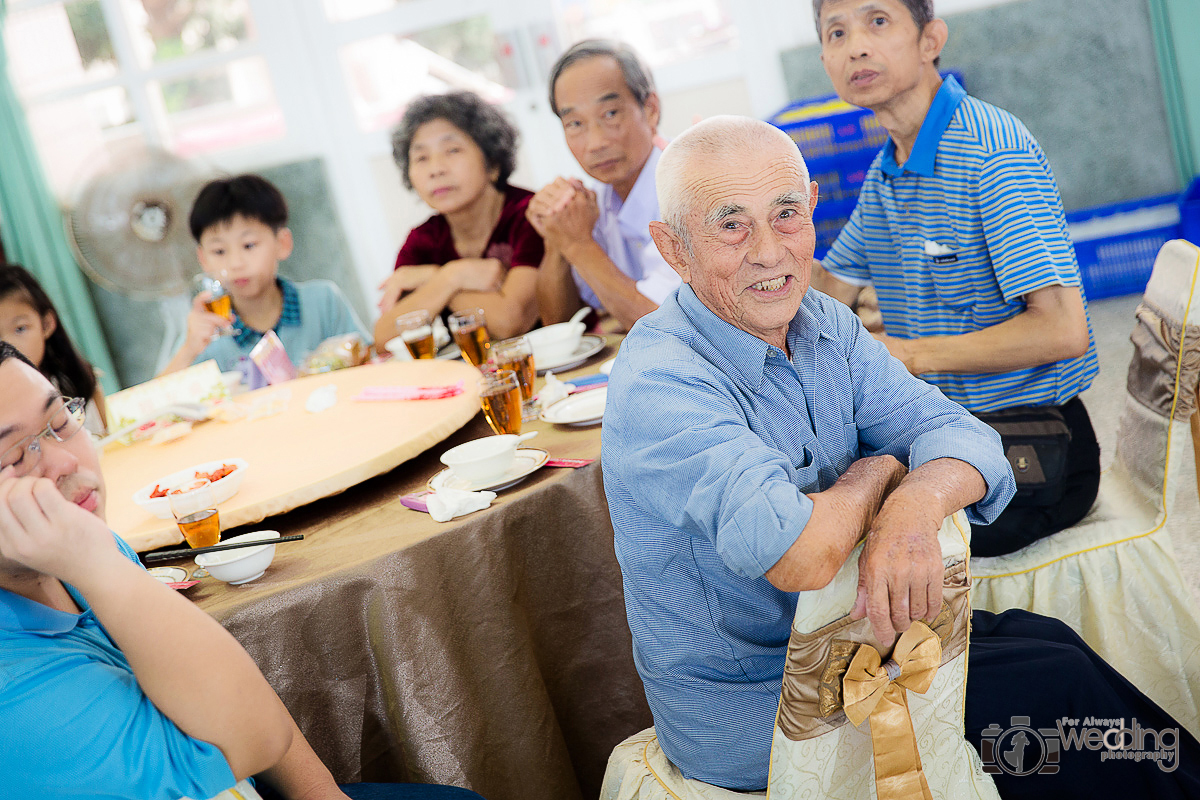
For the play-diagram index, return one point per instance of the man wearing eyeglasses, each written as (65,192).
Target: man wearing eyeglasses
(112,684)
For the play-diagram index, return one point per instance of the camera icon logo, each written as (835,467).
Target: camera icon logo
(1020,749)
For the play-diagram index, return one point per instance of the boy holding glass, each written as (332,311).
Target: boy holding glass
(240,226)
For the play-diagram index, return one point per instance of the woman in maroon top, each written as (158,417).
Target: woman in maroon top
(478,251)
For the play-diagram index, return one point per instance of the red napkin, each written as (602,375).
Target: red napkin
(375,393)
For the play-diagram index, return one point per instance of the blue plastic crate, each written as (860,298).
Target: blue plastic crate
(1116,244)
(1189,212)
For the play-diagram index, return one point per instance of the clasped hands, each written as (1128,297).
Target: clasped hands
(563,212)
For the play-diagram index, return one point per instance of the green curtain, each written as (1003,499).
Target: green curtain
(1176,25)
(32,228)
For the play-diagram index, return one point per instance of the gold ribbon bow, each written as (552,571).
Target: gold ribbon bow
(875,689)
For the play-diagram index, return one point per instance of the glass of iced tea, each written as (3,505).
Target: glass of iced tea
(517,355)
(500,397)
(416,331)
(219,302)
(195,510)
(470,332)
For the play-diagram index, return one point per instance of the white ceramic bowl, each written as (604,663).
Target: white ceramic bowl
(554,344)
(481,459)
(223,489)
(242,565)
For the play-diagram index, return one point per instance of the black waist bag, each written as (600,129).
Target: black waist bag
(1035,441)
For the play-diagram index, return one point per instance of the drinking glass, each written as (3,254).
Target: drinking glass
(500,397)
(416,331)
(220,302)
(516,354)
(470,332)
(195,509)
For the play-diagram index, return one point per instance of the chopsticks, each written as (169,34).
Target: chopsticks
(167,555)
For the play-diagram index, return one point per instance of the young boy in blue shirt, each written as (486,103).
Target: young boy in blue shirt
(240,228)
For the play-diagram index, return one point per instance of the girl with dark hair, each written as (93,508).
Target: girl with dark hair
(29,323)
(478,251)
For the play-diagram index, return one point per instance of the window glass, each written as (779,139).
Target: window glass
(77,134)
(339,10)
(58,46)
(461,55)
(214,109)
(165,30)
(661,31)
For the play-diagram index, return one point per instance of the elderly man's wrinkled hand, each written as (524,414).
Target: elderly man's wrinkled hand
(899,573)
(45,531)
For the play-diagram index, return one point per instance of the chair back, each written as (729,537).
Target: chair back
(833,662)
(1161,388)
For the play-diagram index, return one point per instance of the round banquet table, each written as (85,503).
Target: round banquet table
(295,456)
(491,652)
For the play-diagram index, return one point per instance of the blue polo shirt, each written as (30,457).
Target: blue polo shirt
(956,237)
(75,721)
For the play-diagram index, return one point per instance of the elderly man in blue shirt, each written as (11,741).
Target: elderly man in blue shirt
(754,433)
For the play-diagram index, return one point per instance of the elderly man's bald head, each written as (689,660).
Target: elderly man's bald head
(737,206)
(705,146)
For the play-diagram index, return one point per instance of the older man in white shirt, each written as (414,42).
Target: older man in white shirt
(598,247)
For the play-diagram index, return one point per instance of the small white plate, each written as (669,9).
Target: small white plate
(528,460)
(169,574)
(582,408)
(589,345)
(606,367)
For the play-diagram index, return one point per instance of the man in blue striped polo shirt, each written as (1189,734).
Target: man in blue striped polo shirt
(961,229)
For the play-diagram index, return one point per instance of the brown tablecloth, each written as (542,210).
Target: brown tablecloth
(491,652)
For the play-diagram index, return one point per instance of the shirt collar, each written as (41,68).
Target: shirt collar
(20,614)
(245,336)
(642,203)
(747,353)
(937,119)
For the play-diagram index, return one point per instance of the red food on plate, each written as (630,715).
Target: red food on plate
(158,492)
(217,474)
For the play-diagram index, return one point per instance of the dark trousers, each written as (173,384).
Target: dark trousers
(1026,674)
(1022,522)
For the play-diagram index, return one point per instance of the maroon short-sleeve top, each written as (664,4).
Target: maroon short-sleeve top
(513,240)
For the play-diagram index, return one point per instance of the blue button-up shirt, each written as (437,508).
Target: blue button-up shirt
(711,439)
(957,236)
(75,721)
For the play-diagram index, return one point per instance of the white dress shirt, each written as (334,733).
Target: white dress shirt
(623,232)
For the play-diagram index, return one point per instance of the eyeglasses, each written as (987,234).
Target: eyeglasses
(64,421)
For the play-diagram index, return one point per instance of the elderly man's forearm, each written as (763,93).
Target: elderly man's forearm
(617,291)
(840,517)
(936,489)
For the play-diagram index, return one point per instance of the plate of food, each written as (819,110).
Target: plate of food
(225,476)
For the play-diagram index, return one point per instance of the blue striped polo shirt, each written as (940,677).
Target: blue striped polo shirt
(955,238)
